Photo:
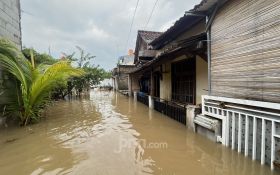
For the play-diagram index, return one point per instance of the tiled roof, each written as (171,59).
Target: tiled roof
(149,36)
(204,5)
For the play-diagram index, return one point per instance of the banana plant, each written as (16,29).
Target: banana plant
(35,82)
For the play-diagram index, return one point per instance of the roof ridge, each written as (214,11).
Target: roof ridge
(149,31)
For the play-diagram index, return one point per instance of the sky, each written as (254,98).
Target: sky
(100,27)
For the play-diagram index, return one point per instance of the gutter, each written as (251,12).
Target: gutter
(209,21)
(209,55)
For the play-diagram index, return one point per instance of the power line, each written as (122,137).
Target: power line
(151,14)
(131,24)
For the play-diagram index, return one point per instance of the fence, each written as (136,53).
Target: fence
(250,127)
(143,98)
(171,109)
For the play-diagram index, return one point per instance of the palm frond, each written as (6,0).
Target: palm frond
(35,83)
(46,82)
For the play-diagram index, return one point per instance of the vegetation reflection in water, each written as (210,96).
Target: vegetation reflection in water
(108,133)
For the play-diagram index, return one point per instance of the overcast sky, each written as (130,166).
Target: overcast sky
(101,27)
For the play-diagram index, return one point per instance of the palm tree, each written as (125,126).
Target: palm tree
(36,83)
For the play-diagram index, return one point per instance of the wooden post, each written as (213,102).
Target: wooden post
(152,84)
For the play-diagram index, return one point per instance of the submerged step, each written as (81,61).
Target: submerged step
(208,126)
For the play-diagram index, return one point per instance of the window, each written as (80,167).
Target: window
(183,81)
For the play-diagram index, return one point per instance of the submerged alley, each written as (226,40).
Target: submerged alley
(199,94)
(108,133)
(216,71)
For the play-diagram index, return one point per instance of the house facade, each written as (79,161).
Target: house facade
(177,76)
(217,71)
(10,28)
(139,82)
(120,73)
(244,75)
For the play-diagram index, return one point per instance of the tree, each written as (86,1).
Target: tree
(36,82)
(84,58)
(38,57)
(93,74)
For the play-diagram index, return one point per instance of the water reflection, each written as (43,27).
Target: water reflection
(108,133)
(35,153)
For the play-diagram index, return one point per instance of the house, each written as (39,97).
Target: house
(143,51)
(10,28)
(238,40)
(143,54)
(177,76)
(244,75)
(120,73)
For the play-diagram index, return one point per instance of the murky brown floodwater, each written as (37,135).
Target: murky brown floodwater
(111,134)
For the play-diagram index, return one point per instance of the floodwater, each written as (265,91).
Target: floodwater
(108,133)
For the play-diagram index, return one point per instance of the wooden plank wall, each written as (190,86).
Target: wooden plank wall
(246,50)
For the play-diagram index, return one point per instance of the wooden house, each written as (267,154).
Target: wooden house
(229,50)
(244,74)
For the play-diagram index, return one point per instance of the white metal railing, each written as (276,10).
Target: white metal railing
(233,112)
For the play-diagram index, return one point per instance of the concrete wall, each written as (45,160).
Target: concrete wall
(10,29)
(121,79)
(201,78)
(133,83)
(125,69)
(10,21)
(165,83)
(123,82)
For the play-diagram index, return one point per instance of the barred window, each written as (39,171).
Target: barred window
(183,81)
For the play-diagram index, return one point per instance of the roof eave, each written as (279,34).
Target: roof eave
(204,7)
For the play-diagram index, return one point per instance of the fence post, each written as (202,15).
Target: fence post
(151,102)
(203,104)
